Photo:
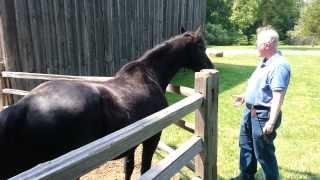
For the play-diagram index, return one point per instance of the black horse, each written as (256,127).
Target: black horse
(59,116)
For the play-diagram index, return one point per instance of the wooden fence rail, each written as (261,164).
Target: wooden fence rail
(203,145)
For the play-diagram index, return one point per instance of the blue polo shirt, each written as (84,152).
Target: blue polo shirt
(271,75)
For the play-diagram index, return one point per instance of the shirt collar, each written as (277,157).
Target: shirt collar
(265,62)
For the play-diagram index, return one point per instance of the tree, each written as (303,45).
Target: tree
(218,12)
(244,16)
(219,29)
(281,14)
(309,24)
(249,14)
(244,13)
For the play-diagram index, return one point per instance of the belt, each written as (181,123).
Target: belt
(257,107)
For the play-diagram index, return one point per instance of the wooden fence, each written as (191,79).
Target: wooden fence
(202,146)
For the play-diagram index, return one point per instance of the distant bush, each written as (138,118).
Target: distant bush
(297,38)
(215,34)
(242,40)
(253,39)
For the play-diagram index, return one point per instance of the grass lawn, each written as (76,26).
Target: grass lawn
(281,47)
(298,140)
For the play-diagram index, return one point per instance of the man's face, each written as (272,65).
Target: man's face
(261,47)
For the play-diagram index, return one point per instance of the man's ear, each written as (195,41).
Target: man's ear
(182,30)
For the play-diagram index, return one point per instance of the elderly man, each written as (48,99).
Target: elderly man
(262,114)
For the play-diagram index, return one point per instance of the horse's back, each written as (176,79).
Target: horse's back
(53,119)
(59,116)
(137,99)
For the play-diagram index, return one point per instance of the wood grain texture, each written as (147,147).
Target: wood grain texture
(206,123)
(169,166)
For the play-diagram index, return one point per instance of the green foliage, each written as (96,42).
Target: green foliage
(281,14)
(218,12)
(244,13)
(220,30)
(216,34)
(245,16)
(309,24)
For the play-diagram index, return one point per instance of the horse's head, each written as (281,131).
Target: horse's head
(195,50)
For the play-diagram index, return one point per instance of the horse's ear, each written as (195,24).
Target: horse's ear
(198,32)
(182,30)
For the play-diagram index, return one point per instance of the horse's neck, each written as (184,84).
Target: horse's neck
(163,70)
(159,69)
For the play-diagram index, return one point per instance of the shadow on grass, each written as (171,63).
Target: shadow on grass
(304,174)
(230,76)
(298,174)
(184,173)
(307,48)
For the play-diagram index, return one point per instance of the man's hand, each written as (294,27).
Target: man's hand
(238,100)
(268,128)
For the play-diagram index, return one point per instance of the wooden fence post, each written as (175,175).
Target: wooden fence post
(206,123)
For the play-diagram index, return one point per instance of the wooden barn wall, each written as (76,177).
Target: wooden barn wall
(88,37)
(2,55)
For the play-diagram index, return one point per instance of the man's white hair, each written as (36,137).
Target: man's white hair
(267,35)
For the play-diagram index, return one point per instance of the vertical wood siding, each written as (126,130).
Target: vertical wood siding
(88,37)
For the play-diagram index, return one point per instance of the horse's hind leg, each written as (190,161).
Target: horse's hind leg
(129,164)
(149,147)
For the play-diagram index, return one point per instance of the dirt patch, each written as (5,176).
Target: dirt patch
(113,170)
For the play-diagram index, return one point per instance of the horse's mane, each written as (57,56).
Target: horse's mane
(155,52)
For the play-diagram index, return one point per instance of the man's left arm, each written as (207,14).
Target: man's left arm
(275,108)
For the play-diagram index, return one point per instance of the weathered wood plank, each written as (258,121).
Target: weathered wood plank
(69,16)
(59,29)
(53,62)
(80,161)
(167,167)
(185,125)
(46,44)
(36,34)
(2,51)
(110,54)
(181,90)
(15,92)
(80,31)
(167,149)
(25,42)
(51,77)
(206,123)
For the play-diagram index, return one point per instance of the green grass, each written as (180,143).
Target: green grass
(281,47)
(298,140)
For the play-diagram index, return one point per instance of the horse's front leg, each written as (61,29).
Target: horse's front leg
(149,147)
(129,164)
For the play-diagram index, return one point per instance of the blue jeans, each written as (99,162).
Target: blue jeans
(255,146)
